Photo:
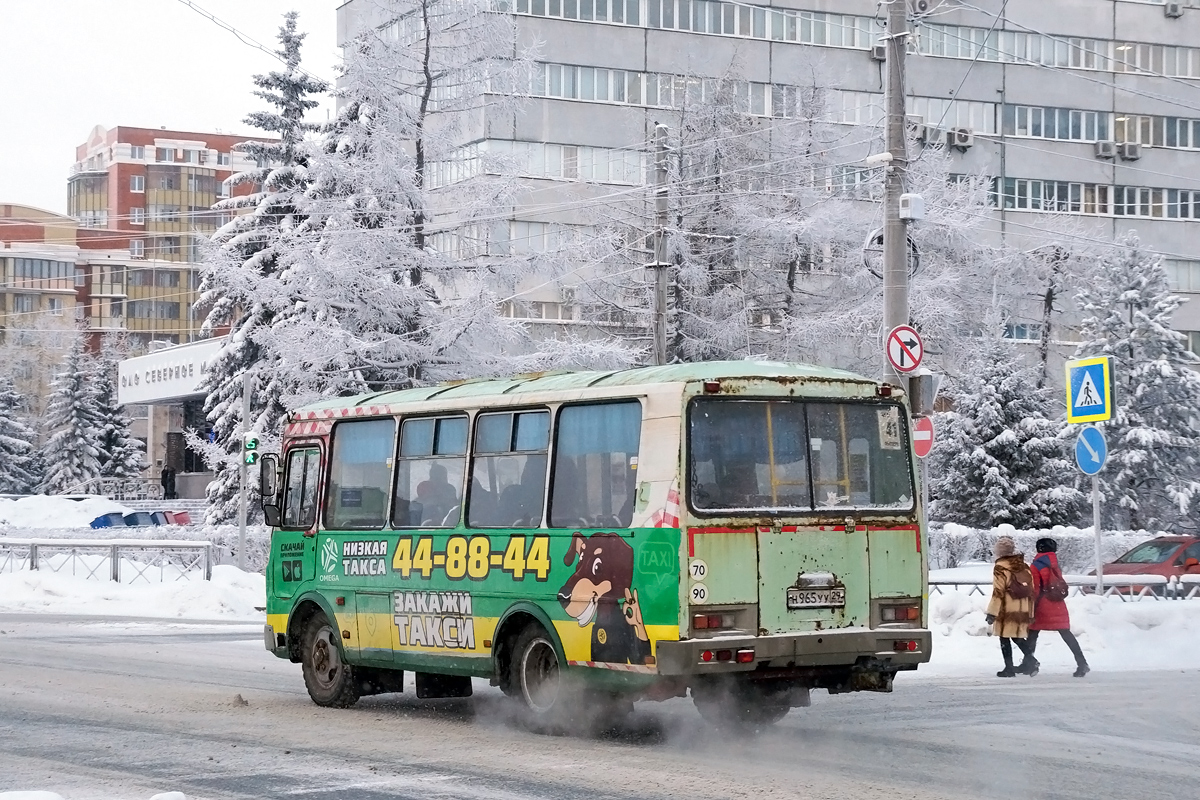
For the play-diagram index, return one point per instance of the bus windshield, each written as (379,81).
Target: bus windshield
(793,455)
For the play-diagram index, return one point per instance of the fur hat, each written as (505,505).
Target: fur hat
(1005,546)
(1047,546)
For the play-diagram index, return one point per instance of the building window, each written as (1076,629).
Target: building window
(1193,341)
(166,182)
(137,248)
(141,277)
(167,246)
(24,303)
(167,279)
(1183,274)
(164,154)
(137,183)
(223,159)
(80,277)
(137,152)
(137,215)
(1023,331)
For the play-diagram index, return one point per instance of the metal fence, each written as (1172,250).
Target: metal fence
(1124,587)
(120,560)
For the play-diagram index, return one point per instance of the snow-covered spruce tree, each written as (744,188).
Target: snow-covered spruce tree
(121,455)
(246,250)
(19,466)
(367,298)
(73,422)
(1150,480)
(998,457)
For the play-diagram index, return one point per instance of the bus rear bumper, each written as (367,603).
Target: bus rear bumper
(829,648)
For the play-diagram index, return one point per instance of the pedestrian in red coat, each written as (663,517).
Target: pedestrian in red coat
(1050,608)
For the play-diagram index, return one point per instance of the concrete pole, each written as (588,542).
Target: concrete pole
(660,265)
(895,230)
(242,487)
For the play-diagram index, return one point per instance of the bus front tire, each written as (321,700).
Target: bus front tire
(327,676)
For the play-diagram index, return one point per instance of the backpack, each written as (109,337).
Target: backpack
(1056,587)
(1020,585)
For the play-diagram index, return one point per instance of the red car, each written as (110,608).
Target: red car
(1163,555)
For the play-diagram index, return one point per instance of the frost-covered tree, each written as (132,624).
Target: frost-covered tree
(1150,479)
(73,422)
(120,453)
(774,235)
(998,457)
(248,248)
(19,464)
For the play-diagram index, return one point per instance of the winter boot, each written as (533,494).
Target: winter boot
(1081,670)
(1029,666)
(1008,672)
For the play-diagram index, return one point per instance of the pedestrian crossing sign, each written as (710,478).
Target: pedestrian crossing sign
(1089,389)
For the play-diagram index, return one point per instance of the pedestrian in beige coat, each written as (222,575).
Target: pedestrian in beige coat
(1010,610)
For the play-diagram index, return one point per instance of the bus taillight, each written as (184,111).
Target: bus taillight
(899,613)
(702,622)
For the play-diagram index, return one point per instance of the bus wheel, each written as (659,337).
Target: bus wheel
(536,674)
(740,706)
(328,678)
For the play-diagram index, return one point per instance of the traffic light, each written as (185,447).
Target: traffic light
(250,449)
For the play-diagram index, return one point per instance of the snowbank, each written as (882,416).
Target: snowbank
(1114,634)
(231,594)
(41,511)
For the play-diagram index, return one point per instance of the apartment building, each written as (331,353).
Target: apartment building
(1088,109)
(154,189)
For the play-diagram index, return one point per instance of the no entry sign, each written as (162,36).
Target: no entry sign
(922,436)
(904,348)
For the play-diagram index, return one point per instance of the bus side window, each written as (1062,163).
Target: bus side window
(595,465)
(359,474)
(508,471)
(300,488)
(429,473)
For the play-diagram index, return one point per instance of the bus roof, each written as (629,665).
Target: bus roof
(555,381)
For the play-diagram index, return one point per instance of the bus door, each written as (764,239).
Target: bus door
(294,544)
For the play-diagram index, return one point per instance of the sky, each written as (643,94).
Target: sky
(69,65)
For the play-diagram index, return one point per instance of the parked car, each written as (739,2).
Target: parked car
(1163,555)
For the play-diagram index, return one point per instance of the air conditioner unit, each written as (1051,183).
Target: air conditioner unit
(879,52)
(960,138)
(924,6)
(1129,151)
(1173,10)
(203,156)
(931,135)
(1106,149)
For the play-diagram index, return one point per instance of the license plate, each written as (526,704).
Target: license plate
(816,598)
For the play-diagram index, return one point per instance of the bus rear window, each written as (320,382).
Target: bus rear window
(790,455)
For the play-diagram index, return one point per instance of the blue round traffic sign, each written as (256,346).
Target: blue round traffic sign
(1091,450)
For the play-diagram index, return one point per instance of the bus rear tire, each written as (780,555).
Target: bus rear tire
(536,677)
(327,676)
(740,706)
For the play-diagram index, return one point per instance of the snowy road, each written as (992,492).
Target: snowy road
(93,708)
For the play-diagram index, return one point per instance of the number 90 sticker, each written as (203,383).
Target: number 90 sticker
(697,569)
(699,593)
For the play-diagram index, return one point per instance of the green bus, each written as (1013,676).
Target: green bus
(743,531)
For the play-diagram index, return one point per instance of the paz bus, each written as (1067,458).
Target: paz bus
(742,531)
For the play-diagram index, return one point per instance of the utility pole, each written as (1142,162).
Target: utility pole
(242,488)
(895,230)
(660,265)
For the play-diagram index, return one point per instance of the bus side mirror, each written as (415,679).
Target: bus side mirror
(268,487)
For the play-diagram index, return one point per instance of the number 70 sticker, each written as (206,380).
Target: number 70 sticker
(698,571)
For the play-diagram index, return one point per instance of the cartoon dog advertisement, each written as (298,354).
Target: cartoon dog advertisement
(600,592)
